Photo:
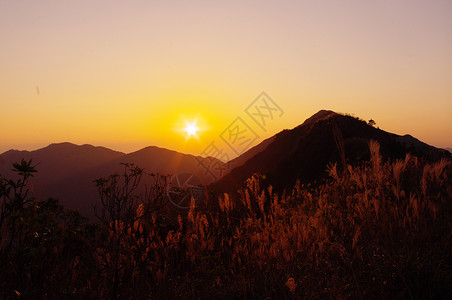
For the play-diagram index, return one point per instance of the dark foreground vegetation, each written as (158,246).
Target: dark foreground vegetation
(381,230)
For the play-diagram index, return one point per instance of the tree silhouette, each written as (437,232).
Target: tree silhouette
(123,208)
(41,242)
(13,194)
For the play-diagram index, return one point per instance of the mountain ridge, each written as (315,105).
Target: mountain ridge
(305,151)
(67,170)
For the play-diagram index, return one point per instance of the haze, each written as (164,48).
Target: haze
(126,74)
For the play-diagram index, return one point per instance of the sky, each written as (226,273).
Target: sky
(130,74)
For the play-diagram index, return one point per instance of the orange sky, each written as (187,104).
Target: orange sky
(126,74)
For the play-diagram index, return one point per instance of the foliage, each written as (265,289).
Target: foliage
(43,246)
(13,193)
(123,214)
(379,230)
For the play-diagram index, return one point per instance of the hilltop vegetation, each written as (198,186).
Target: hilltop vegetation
(381,229)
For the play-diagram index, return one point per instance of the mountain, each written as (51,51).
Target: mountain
(448,149)
(57,161)
(242,159)
(305,151)
(66,171)
(64,155)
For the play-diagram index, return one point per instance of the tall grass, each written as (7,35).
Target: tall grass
(376,230)
(380,230)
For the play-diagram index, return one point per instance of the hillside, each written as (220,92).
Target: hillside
(305,151)
(380,230)
(66,171)
(57,161)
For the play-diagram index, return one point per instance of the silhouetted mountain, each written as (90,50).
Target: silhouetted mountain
(240,160)
(57,161)
(79,189)
(448,149)
(66,171)
(305,151)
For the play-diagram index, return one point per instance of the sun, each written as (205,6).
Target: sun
(191,129)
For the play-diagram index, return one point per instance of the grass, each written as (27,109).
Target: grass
(378,230)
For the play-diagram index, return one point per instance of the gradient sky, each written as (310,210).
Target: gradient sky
(126,74)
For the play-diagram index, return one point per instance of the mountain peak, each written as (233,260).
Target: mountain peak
(304,152)
(154,149)
(320,115)
(74,148)
(62,144)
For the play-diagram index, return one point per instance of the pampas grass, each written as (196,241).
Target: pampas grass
(380,230)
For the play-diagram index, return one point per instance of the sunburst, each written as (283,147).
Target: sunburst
(191,129)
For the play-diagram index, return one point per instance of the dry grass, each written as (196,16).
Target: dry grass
(379,230)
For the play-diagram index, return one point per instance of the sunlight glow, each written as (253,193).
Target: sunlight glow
(191,129)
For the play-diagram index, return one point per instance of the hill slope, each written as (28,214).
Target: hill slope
(57,161)
(66,171)
(305,151)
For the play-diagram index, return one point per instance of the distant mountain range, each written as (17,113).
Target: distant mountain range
(66,171)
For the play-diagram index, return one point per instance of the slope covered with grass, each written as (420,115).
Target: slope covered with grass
(379,230)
